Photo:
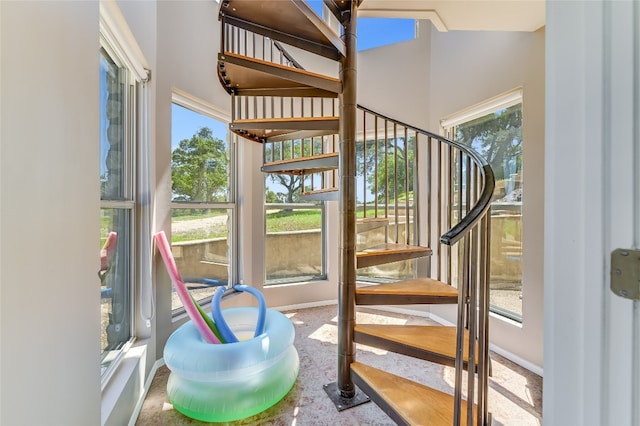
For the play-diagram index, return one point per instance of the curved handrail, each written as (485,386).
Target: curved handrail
(483,203)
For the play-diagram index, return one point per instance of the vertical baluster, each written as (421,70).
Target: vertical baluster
(472,306)
(459,194)
(485,311)
(364,163)
(223,37)
(273,112)
(395,182)
(254,100)
(468,186)
(416,191)
(439,206)
(246,42)
(386,171)
(375,166)
(449,199)
(265,153)
(462,298)
(482,324)
(406,187)
(253,45)
(429,198)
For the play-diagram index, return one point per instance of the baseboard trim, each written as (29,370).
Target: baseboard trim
(306,305)
(136,412)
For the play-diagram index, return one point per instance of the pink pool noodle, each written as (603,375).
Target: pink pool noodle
(181,289)
(108,249)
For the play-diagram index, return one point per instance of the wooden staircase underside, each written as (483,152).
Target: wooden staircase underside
(266,126)
(435,343)
(325,194)
(312,164)
(290,21)
(388,253)
(243,75)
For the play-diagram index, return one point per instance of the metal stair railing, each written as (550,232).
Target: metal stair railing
(404,173)
(407,169)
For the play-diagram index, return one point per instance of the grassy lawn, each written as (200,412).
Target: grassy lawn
(293,220)
(213,224)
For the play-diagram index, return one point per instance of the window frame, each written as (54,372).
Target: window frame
(117,43)
(200,106)
(448,125)
(323,276)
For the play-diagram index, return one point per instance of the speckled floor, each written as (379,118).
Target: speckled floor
(515,394)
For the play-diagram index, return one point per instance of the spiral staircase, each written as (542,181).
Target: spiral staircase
(310,125)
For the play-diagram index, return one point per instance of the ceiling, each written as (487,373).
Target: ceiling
(469,15)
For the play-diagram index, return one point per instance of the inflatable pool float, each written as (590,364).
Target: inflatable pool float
(232,381)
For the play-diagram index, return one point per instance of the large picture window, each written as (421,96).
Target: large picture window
(494,130)
(294,241)
(203,211)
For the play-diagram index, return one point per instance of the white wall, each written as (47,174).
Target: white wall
(592,336)
(49,169)
(394,80)
(468,68)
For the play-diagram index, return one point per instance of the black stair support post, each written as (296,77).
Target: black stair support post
(347,207)
(344,393)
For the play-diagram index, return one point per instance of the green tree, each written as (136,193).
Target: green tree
(498,138)
(291,183)
(199,168)
(379,165)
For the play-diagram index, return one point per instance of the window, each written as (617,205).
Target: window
(494,130)
(117,97)
(203,210)
(294,242)
(375,32)
(125,231)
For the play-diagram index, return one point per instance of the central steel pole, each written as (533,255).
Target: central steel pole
(347,177)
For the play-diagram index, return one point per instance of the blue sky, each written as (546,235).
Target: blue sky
(374,32)
(186,123)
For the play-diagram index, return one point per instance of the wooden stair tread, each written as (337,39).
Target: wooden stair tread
(264,128)
(418,290)
(308,164)
(280,19)
(300,134)
(324,194)
(389,252)
(405,401)
(435,343)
